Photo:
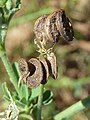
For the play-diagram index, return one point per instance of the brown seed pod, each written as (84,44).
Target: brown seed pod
(39,30)
(36,73)
(51,29)
(45,69)
(52,65)
(64,26)
(23,67)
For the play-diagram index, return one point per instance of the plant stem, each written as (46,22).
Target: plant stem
(5,60)
(10,72)
(74,109)
(40,99)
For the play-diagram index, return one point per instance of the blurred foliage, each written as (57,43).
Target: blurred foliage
(73,59)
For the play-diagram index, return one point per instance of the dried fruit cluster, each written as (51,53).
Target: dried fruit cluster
(37,70)
(49,28)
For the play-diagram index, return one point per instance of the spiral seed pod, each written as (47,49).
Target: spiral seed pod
(51,29)
(36,73)
(52,65)
(39,30)
(64,26)
(45,69)
(37,70)
(23,67)
(31,72)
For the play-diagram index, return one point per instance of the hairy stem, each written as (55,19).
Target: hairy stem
(10,72)
(40,99)
(74,109)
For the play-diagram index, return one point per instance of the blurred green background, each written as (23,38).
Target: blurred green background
(73,82)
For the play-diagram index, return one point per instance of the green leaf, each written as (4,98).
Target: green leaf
(7,94)
(15,96)
(24,91)
(2,3)
(20,104)
(47,97)
(16,69)
(34,93)
(23,100)
(23,87)
(9,4)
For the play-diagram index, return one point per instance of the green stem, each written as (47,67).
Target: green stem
(74,109)
(40,99)
(5,60)
(3,33)
(10,72)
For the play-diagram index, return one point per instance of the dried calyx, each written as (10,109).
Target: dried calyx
(49,28)
(37,70)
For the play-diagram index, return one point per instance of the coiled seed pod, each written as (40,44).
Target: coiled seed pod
(45,69)
(64,26)
(36,73)
(40,31)
(49,28)
(37,70)
(24,68)
(31,72)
